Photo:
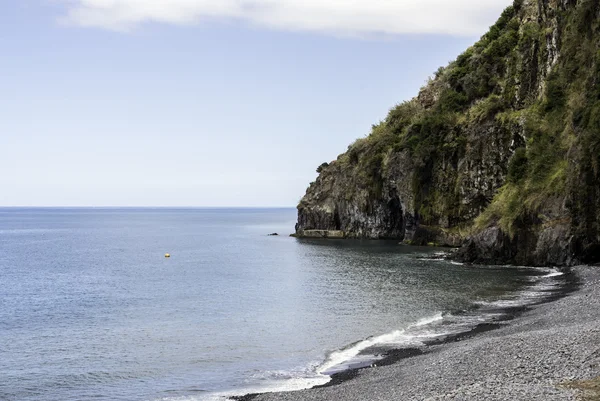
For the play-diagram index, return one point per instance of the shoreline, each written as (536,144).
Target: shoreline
(388,376)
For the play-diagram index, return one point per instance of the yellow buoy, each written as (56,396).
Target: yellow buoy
(167,255)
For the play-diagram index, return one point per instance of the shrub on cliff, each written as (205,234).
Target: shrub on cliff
(517,169)
(322,167)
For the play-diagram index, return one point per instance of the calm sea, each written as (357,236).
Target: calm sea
(91,309)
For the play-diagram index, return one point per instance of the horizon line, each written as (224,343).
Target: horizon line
(144,207)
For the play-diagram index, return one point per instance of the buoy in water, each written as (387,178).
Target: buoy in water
(167,255)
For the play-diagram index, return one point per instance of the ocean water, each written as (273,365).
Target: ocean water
(91,309)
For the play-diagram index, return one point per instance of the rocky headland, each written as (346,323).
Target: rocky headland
(499,154)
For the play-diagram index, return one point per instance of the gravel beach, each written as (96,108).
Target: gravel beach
(536,356)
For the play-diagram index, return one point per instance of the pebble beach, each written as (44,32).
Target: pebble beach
(547,352)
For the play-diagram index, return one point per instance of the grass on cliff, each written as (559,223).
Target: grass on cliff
(567,115)
(537,173)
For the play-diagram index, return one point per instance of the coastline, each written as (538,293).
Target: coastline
(533,353)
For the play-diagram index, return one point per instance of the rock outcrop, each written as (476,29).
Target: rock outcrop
(499,154)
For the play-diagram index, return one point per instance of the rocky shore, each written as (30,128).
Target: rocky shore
(549,352)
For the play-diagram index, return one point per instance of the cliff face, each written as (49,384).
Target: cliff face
(499,153)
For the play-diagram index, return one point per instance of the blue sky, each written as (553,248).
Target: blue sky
(179,103)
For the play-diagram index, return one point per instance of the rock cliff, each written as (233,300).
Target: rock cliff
(499,153)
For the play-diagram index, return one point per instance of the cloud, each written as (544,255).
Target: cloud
(337,17)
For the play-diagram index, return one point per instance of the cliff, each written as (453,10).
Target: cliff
(499,153)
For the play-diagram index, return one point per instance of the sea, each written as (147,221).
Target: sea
(91,309)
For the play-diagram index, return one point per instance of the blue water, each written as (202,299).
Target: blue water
(91,309)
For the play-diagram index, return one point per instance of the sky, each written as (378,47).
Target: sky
(206,102)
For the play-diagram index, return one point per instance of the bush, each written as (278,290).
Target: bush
(452,101)
(322,167)
(480,83)
(517,168)
(517,5)
(456,76)
(555,94)
(593,121)
(487,108)
(500,47)
(402,115)
(497,29)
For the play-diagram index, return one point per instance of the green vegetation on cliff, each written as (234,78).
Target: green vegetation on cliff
(507,136)
(558,124)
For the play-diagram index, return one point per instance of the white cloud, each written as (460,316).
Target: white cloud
(338,17)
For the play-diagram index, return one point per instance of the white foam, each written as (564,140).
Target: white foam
(395,337)
(550,272)
(532,294)
(503,303)
(428,320)
(291,384)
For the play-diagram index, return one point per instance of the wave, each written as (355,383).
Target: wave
(343,357)
(541,288)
